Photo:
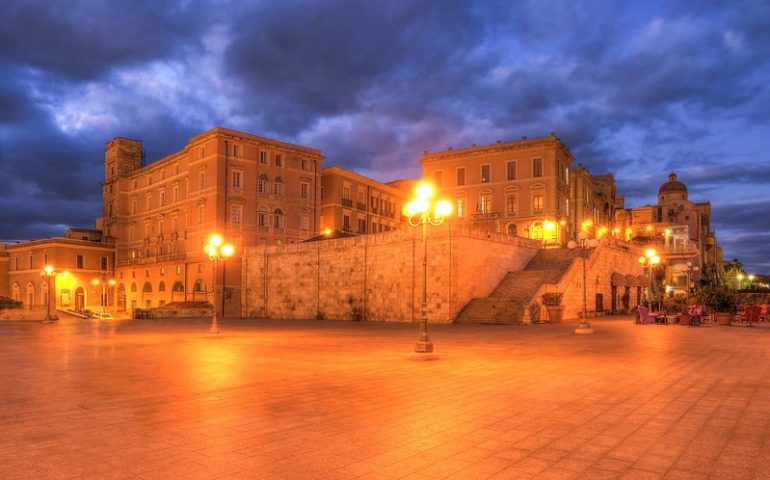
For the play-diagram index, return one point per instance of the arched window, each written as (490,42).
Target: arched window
(278,186)
(178,287)
(512,229)
(147,288)
(262,184)
(262,217)
(485,202)
(15,291)
(536,231)
(133,287)
(278,218)
(199,286)
(162,286)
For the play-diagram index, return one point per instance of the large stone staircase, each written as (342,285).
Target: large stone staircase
(507,301)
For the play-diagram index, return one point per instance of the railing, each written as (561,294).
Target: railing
(346,202)
(486,216)
(152,259)
(361,206)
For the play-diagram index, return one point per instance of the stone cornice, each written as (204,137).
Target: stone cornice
(501,147)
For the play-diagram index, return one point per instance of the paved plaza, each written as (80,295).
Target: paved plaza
(330,400)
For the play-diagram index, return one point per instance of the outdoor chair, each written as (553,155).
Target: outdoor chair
(698,315)
(645,316)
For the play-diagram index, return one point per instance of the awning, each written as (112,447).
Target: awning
(618,279)
(631,281)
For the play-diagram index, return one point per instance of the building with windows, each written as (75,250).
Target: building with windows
(593,199)
(520,187)
(81,261)
(249,189)
(681,231)
(354,203)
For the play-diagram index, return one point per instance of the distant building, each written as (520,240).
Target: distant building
(249,189)
(682,231)
(354,203)
(593,199)
(519,188)
(79,259)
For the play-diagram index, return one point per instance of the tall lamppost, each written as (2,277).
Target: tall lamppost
(751,281)
(421,211)
(217,250)
(740,280)
(48,273)
(584,243)
(689,270)
(104,280)
(650,260)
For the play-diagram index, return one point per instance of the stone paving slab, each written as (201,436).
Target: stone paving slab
(332,400)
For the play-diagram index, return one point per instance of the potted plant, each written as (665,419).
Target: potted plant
(552,302)
(676,306)
(722,301)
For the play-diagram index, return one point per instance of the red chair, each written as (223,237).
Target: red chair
(645,316)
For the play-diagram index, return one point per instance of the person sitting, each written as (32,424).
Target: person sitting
(696,312)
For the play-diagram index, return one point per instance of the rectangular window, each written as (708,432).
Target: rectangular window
(104,263)
(80,261)
(438,177)
(361,225)
(237,179)
(485,203)
(510,204)
(201,180)
(148,200)
(346,193)
(346,223)
(160,227)
(201,213)
(278,160)
(304,189)
(162,198)
(235,215)
(133,206)
(537,203)
(537,167)
(304,164)
(485,174)
(460,207)
(511,169)
(263,157)
(131,233)
(304,223)
(236,150)
(461,176)
(173,224)
(175,194)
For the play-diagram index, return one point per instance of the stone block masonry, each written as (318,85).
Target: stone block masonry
(378,277)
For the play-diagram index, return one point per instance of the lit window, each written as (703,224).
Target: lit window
(460,207)
(485,174)
(537,202)
(511,206)
(485,203)
(262,184)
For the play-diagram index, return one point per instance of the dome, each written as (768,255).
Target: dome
(673,185)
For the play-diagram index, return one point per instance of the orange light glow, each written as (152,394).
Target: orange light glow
(424,191)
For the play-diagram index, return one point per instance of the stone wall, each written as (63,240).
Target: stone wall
(609,257)
(379,275)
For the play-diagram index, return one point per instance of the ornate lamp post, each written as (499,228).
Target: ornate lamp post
(584,243)
(104,280)
(740,280)
(650,260)
(48,273)
(421,211)
(216,250)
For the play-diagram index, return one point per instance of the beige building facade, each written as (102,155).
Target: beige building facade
(81,262)
(357,204)
(250,190)
(520,188)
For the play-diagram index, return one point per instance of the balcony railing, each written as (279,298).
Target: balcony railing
(346,202)
(152,259)
(361,206)
(486,216)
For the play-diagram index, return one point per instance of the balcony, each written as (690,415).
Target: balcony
(485,216)
(361,206)
(346,202)
(152,259)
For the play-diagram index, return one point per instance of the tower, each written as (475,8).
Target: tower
(121,157)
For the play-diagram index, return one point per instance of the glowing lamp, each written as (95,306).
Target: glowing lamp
(548,225)
(95,281)
(327,231)
(443,208)
(215,240)
(655,260)
(424,191)
(650,252)
(48,269)
(642,259)
(227,250)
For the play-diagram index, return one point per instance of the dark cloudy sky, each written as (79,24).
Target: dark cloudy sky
(634,88)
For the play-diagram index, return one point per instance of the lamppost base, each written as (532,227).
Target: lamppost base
(584,329)
(50,320)
(423,347)
(214,331)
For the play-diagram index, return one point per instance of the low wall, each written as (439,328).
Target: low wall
(379,276)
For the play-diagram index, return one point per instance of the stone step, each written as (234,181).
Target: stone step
(491,310)
(553,259)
